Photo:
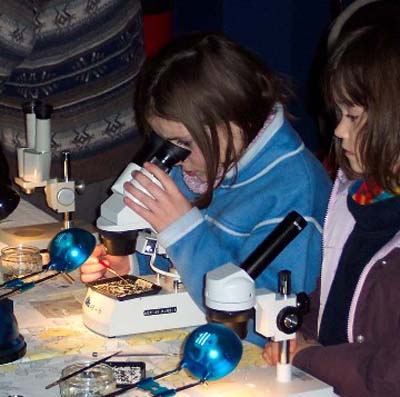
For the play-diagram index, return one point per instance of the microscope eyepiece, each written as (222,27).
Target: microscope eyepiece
(29,106)
(274,244)
(168,155)
(43,111)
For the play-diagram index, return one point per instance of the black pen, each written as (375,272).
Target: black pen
(95,354)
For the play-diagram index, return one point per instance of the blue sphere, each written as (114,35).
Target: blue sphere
(212,351)
(70,248)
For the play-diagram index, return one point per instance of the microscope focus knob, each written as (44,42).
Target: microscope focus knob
(80,186)
(303,303)
(289,320)
(66,196)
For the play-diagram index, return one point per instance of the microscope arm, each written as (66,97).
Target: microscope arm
(229,289)
(231,297)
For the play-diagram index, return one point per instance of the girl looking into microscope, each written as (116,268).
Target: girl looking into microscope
(351,337)
(247,168)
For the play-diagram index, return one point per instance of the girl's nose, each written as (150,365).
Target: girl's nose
(341,130)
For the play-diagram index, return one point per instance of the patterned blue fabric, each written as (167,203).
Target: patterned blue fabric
(82,57)
(17,32)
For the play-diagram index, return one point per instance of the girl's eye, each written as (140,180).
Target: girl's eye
(183,143)
(353,118)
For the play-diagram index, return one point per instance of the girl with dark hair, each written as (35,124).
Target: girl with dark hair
(247,169)
(351,337)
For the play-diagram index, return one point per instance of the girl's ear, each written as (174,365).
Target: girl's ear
(238,137)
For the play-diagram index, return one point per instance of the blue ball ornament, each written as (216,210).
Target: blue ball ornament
(70,248)
(212,351)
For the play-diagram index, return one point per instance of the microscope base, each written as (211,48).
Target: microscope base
(261,382)
(166,310)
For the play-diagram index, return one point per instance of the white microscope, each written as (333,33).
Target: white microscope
(123,232)
(34,165)
(121,227)
(232,299)
(34,162)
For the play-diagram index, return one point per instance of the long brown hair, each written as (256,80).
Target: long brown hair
(206,81)
(364,70)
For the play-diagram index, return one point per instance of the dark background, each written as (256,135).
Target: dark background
(289,35)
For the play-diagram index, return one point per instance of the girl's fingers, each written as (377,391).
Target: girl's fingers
(271,353)
(137,194)
(151,185)
(292,345)
(89,277)
(91,265)
(164,205)
(145,213)
(165,180)
(92,270)
(99,251)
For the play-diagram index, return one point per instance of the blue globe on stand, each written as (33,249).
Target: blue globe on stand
(70,248)
(212,351)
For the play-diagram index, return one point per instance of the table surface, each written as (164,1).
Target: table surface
(26,214)
(49,318)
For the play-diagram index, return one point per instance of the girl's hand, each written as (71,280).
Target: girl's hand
(167,203)
(271,350)
(270,353)
(92,270)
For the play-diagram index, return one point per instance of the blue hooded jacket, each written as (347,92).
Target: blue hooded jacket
(276,175)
